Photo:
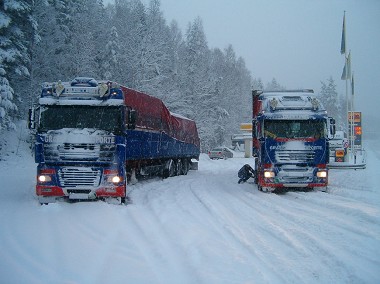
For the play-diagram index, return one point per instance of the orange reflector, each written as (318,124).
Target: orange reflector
(47,171)
(110,172)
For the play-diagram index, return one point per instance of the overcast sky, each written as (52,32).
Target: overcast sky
(295,41)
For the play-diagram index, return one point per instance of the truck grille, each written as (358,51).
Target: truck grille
(79,152)
(79,177)
(295,155)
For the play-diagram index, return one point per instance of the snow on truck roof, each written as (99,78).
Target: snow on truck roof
(180,116)
(303,100)
(68,101)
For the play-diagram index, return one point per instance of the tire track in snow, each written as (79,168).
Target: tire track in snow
(234,235)
(278,231)
(311,222)
(154,240)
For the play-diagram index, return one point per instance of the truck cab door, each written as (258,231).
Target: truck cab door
(33,116)
(132,118)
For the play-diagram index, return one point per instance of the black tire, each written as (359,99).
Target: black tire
(169,169)
(172,169)
(123,199)
(179,170)
(256,179)
(185,166)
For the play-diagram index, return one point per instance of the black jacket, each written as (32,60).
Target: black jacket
(246,172)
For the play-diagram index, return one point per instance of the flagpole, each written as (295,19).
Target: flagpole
(353,120)
(343,50)
(346,77)
(350,122)
(347,99)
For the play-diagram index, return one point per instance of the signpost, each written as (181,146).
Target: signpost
(355,130)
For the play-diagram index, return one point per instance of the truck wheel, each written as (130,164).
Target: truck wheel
(172,169)
(123,199)
(169,169)
(185,166)
(179,167)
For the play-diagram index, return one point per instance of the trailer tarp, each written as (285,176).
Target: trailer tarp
(152,114)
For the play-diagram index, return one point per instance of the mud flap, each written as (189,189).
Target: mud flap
(194,165)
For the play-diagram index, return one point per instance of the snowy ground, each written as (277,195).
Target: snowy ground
(199,228)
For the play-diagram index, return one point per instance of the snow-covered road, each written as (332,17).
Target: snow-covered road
(199,228)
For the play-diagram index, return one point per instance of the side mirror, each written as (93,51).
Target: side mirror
(331,127)
(31,119)
(132,117)
(254,128)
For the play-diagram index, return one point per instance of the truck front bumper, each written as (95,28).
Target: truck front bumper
(52,192)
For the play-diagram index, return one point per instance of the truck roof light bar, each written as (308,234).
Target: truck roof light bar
(82,87)
(289,91)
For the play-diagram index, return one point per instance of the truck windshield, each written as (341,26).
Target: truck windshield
(294,129)
(107,118)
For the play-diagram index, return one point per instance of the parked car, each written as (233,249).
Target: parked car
(221,153)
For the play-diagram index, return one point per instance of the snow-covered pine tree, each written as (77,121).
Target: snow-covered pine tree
(196,84)
(334,105)
(50,58)
(274,86)
(84,28)
(232,81)
(155,55)
(101,26)
(244,89)
(17,27)
(110,61)
(7,107)
(170,90)
(257,84)
(131,23)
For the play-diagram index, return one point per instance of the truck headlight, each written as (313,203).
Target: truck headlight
(45,175)
(44,178)
(269,174)
(322,174)
(114,179)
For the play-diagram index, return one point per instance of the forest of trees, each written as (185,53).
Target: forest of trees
(130,43)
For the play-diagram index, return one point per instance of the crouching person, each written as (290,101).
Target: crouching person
(245,173)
